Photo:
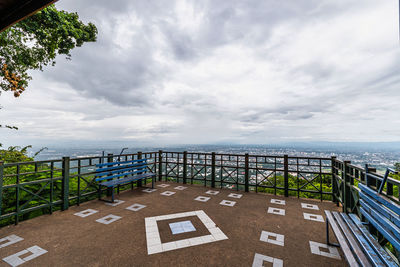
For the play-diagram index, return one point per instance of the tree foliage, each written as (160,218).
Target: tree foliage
(35,42)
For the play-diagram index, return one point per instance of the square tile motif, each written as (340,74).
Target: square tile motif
(180,187)
(149,190)
(309,206)
(108,219)
(167,193)
(181,227)
(259,260)
(163,185)
(202,199)
(227,203)
(212,192)
(276,211)
(278,201)
(135,207)
(313,217)
(9,240)
(272,238)
(86,213)
(316,249)
(16,260)
(116,202)
(154,244)
(235,195)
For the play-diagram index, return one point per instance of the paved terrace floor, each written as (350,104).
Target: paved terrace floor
(203,227)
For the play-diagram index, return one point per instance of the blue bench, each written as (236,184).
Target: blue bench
(118,173)
(359,246)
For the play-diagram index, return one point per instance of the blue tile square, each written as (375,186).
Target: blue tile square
(181,227)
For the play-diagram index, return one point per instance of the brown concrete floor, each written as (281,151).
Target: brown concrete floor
(74,241)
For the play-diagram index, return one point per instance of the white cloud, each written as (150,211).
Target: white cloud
(210,71)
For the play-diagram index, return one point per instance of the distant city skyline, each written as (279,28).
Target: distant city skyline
(210,72)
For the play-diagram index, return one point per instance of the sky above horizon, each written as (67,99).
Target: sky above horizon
(198,72)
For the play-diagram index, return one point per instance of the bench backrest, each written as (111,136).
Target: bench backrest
(120,169)
(382,213)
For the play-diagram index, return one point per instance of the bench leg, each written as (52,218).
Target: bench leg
(152,181)
(327,235)
(112,194)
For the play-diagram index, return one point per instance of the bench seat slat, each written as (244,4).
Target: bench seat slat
(117,168)
(126,180)
(342,241)
(119,162)
(138,171)
(390,215)
(381,199)
(389,231)
(365,245)
(353,244)
(374,243)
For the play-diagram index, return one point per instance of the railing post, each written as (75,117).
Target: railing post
(212,169)
(160,152)
(65,183)
(286,174)
(139,156)
(333,180)
(346,187)
(184,166)
(1,184)
(246,172)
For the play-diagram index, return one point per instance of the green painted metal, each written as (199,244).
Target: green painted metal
(184,166)
(65,182)
(246,172)
(1,185)
(286,174)
(212,170)
(160,153)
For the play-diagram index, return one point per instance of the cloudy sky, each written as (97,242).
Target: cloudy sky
(210,71)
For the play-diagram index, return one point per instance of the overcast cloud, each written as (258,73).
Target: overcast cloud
(170,72)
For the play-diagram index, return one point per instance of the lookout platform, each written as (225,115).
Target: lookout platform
(202,226)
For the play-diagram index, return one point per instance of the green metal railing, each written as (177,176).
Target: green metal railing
(29,189)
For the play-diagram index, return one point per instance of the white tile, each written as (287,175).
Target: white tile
(278,201)
(313,217)
(135,207)
(235,195)
(108,219)
(259,260)
(202,199)
(182,243)
(149,190)
(9,240)
(154,249)
(316,249)
(309,206)
(116,203)
(220,236)
(86,213)
(15,259)
(163,185)
(167,193)
(276,211)
(227,203)
(273,238)
(195,241)
(212,192)
(153,238)
(208,238)
(180,187)
(168,246)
